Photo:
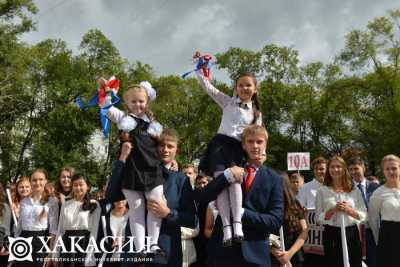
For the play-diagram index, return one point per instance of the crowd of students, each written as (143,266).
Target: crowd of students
(228,216)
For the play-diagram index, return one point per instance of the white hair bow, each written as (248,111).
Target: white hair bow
(150,90)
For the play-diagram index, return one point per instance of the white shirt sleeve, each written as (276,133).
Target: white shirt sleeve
(259,120)
(60,230)
(6,219)
(115,114)
(374,208)
(189,233)
(94,222)
(219,97)
(53,215)
(319,207)
(359,206)
(301,196)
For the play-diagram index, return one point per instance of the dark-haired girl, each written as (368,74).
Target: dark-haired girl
(225,149)
(294,228)
(63,183)
(79,217)
(38,217)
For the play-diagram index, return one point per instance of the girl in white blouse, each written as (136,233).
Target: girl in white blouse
(225,149)
(79,217)
(115,226)
(338,197)
(5,222)
(384,213)
(38,216)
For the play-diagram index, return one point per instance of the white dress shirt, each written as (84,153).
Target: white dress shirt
(72,217)
(118,226)
(307,194)
(327,198)
(363,186)
(5,219)
(30,219)
(234,118)
(384,205)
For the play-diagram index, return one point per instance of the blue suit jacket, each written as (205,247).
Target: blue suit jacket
(371,187)
(263,214)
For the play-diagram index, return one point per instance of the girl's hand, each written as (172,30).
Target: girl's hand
(125,151)
(174,166)
(4,251)
(284,257)
(197,54)
(237,173)
(101,82)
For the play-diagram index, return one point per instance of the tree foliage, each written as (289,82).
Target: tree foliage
(347,106)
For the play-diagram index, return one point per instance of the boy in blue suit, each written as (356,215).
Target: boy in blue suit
(262,211)
(177,209)
(357,170)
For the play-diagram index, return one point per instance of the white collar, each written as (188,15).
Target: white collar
(248,103)
(363,182)
(144,117)
(317,182)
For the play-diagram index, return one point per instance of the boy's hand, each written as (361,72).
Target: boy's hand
(125,151)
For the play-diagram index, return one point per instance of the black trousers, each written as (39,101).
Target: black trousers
(332,242)
(388,244)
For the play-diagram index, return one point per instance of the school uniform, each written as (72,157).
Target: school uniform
(384,220)
(75,222)
(179,196)
(31,224)
(225,149)
(262,215)
(5,223)
(331,237)
(367,188)
(142,171)
(114,226)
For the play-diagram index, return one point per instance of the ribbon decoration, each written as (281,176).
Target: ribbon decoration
(345,251)
(282,238)
(203,63)
(103,98)
(14,216)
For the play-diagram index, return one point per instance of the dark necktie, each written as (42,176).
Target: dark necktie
(243,105)
(361,187)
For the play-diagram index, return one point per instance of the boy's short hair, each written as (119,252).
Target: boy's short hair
(317,161)
(296,175)
(356,161)
(188,166)
(255,130)
(169,134)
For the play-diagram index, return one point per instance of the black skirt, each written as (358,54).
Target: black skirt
(76,259)
(142,170)
(38,258)
(222,152)
(388,244)
(332,241)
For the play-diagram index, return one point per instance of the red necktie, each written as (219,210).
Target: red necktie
(249,178)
